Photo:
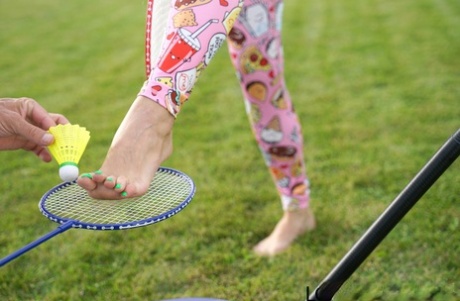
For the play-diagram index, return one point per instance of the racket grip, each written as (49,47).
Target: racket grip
(420,184)
(36,243)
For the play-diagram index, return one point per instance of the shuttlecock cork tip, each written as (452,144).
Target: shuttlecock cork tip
(68,171)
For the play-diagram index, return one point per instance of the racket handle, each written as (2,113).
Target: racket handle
(60,229)
(420,184)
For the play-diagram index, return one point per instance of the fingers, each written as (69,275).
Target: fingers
(36,114)
(59,119)
(24,117)
(21,143)
(16,133)
(31,132)
(43,154)
(38,150)
(24,124)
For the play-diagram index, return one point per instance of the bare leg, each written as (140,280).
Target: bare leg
(194,31)
(142,142)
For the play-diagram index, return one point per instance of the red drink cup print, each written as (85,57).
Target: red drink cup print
(183,45)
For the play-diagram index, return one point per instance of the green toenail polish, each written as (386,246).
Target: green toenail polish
(87,175)
(124,194)
(110,179)
(98,172)
(118,186)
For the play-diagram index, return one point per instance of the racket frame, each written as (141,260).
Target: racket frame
(120,226)
(66,224)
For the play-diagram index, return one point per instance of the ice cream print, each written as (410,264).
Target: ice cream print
(256,52)
(195,30)
(272,132)
(280,177)
(256,19)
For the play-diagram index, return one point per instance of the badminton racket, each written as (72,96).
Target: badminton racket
(69,205)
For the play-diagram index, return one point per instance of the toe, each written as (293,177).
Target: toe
(130,191)
(120,184)
(103,193)
(98,176)
(86,182)
(261,249)
(110,182)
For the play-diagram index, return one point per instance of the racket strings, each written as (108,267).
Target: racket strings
(164,195)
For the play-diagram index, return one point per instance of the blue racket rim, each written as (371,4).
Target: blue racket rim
(191,189)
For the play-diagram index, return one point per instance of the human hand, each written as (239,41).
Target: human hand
(24,124)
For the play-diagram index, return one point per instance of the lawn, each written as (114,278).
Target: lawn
(377,87)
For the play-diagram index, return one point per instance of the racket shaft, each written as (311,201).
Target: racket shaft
(35,243)
(420,184)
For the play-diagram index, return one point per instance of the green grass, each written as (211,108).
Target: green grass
(376,84)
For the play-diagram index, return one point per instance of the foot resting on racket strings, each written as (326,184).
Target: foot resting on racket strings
(70,206)
(142,141)
(70,141)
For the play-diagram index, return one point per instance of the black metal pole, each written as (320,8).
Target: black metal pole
(420,184)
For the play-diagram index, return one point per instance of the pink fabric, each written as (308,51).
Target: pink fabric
(196,30)
(255,47)
(257,55)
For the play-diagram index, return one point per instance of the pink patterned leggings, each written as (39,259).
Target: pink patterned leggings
(193,30)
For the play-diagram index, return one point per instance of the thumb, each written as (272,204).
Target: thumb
(33,133)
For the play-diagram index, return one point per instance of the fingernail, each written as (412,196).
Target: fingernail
(124,194)
(118,186)
(47,139)
(98,172)
(86,175)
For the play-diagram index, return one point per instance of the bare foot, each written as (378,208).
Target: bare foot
(291,225)
(142,142)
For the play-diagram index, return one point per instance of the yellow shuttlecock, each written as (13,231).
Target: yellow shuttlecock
(70,141)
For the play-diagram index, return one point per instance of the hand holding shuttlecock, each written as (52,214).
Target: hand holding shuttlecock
(70,141)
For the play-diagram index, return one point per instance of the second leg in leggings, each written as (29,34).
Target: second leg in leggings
(255,48)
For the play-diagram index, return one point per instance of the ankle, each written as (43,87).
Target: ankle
(304,218)
(161,120)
